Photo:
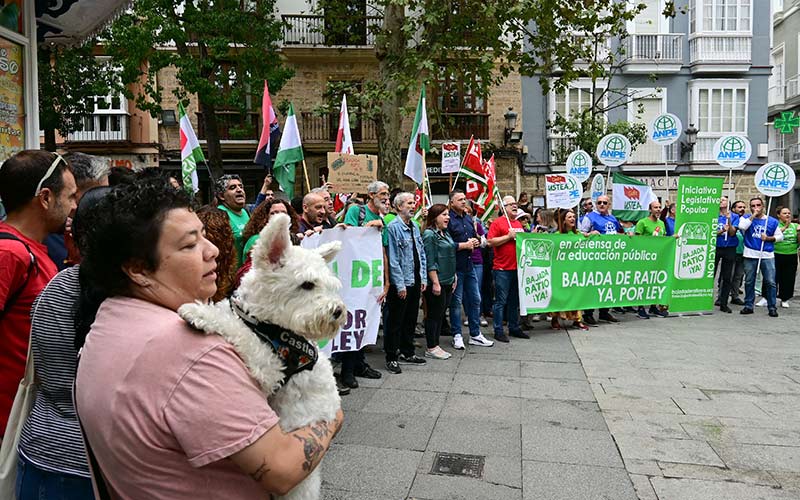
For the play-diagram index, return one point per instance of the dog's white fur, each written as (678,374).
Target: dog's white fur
(275,290)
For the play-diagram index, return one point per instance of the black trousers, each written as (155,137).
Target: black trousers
(785,273)
(402,320)
(437,306)
(353,362)
(728,257)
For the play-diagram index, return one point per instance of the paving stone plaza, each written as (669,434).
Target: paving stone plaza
(681,408)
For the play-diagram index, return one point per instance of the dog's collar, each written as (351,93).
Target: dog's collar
(295,352)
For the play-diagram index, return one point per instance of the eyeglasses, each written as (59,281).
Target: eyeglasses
(509,204)
(602,203)
(49,173)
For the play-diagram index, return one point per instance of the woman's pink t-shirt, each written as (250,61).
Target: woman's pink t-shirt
(164,406)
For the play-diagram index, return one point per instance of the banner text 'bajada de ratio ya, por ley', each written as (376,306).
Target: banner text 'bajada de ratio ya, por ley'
(564,272)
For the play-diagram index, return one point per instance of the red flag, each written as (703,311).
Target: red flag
(270,131)
(473,171)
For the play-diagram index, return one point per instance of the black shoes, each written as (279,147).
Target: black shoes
(368,372)
(500,337)
(348,380)
(393,367)
(773,313)
(746,310)
(520,335)
(589,320)
(725,309)
(411,360)
(737,302)
(608,317)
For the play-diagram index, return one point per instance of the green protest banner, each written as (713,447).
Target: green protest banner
(564,272)
(695,222)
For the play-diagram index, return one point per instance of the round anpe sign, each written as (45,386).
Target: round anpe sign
(775,179)
(613,150)
(665,129)
(579,165)
(732,151)
(598,187)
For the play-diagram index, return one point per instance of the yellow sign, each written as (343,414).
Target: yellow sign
(12,102)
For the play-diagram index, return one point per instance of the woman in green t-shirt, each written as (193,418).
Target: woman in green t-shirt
(786,255)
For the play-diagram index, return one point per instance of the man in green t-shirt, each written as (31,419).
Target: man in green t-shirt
(651,225)
(230,195)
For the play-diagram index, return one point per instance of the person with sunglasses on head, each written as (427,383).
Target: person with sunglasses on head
(231,199)
(39,192)
(760,232)
(600,222)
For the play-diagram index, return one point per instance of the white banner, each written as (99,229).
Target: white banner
(359,266)
(451,157)
(562,191)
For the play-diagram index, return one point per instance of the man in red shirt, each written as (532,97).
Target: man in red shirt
(38,191)
(502,237)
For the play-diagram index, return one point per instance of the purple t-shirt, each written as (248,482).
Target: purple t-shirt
(477,255)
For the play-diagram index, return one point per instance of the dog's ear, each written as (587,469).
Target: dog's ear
(273,241)
(329,250)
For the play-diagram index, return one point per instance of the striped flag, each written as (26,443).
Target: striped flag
(419,144)
(472,169)
(191,153)
(344,143)
(269,132)
(290,152)
(488,201)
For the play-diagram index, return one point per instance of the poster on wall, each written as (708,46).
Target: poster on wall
(12,104)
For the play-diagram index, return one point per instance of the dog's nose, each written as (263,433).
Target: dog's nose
(337,313)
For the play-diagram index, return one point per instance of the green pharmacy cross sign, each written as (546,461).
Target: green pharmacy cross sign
(787,122)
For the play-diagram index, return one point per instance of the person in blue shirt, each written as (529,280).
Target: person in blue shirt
(760,234)
(669,220)
(600,222)
(727,222)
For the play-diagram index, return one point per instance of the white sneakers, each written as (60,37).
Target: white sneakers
(483,322)
(761,303)
(437,353)
(481,341)
(458,342)
(785,303)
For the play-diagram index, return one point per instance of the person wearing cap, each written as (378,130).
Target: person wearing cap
(502,238)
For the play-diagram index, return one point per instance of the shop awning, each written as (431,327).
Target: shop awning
(70,22)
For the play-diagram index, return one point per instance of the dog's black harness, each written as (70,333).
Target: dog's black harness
(295,352)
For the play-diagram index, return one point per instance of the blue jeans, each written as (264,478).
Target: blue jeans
(506,299)
(34,483)
(467,293)
(768,273)
(479,276)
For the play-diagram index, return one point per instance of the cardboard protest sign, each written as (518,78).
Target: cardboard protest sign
(351,173)
(451,157)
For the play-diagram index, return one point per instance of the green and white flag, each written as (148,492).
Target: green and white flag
(631,198)
(290,152)
(420,143)
(191,153)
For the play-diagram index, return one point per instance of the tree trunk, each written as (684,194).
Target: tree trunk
(50,139)
(391,121)
(209,112)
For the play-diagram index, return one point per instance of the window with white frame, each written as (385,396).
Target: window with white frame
(720,15)
(777,78)
(570,103)
(719,107)
(108,116)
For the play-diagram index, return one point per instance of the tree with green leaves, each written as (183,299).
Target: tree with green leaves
(222,51)
(582,39)
(418,42)
(69,79)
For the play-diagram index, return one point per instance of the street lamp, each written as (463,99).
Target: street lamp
(691,139)
(509,135)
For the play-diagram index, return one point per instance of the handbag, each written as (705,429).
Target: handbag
(16,419)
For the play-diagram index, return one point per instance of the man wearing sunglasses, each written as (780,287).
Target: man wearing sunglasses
(600,222)
(760,234)
(38,190)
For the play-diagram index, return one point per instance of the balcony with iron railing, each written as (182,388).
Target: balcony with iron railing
(103,128)
(657,52)
(776,94)
(720,51)
(316,128)
(232,126)
(776,154)
(313,30)
(792,87)
(461,126)
(792,154)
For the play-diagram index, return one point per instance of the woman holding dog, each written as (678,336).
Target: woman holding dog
(170,412)
(440,253)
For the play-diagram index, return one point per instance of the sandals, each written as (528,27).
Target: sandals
(580,325)
(554,324)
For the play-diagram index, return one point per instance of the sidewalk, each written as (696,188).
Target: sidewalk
(526,408)
(699,408)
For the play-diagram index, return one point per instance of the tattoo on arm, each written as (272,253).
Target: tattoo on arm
(261,471)
(313,449)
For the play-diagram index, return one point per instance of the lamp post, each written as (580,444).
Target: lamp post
(509,135)
(691,140)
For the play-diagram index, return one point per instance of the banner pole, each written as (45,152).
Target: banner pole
(766,224)
(666,171)
(305,174)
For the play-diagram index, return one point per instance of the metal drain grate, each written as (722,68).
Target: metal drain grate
(453,464)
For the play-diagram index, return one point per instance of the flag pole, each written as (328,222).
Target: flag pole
(305,174)
(210,175)
(502,206)
(453,185)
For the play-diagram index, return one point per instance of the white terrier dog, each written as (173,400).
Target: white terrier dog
(288,296)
